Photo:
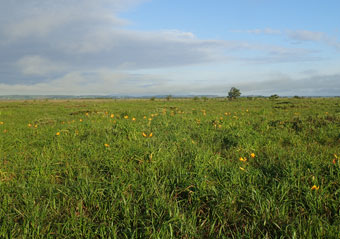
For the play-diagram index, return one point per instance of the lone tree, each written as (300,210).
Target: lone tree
(233,93)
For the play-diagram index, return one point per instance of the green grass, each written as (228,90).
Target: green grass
(185,181)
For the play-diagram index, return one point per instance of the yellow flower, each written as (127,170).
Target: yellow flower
(243,159)
(36,126)
(87,114)
(1,122)
(133,119)
(126,117)
(58,133)
(315,187)
(146,135)
(242,168)
(112,115)
(29,125)
(144,117)
(150,119)
(106,145)
(81,120)
(335,158)
(252,155)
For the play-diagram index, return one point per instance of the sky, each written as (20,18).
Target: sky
(177,47)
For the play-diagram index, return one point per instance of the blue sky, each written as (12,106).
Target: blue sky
(214,18)
(151,47)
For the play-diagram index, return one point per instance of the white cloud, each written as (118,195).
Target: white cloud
(39,18)
(38,66)
(314,85)
(107,82)
(35,26)
(304,35)
(84,47)
(102,81)
(298,35)
(268,31)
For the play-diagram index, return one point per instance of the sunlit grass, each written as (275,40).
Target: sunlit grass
(170,169)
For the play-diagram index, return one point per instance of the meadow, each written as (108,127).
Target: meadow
(183,168)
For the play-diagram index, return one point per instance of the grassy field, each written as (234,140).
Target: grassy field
(249,168)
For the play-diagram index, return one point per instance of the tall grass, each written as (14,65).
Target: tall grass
(81,169)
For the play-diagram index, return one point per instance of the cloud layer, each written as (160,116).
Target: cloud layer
(46,39)
(299,35)
(84,47)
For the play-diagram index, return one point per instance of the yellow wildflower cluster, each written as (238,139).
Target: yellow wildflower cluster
(244,160)
(145,135)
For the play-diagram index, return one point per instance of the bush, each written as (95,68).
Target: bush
(274,97)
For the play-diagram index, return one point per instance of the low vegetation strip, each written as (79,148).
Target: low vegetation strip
(213,168)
